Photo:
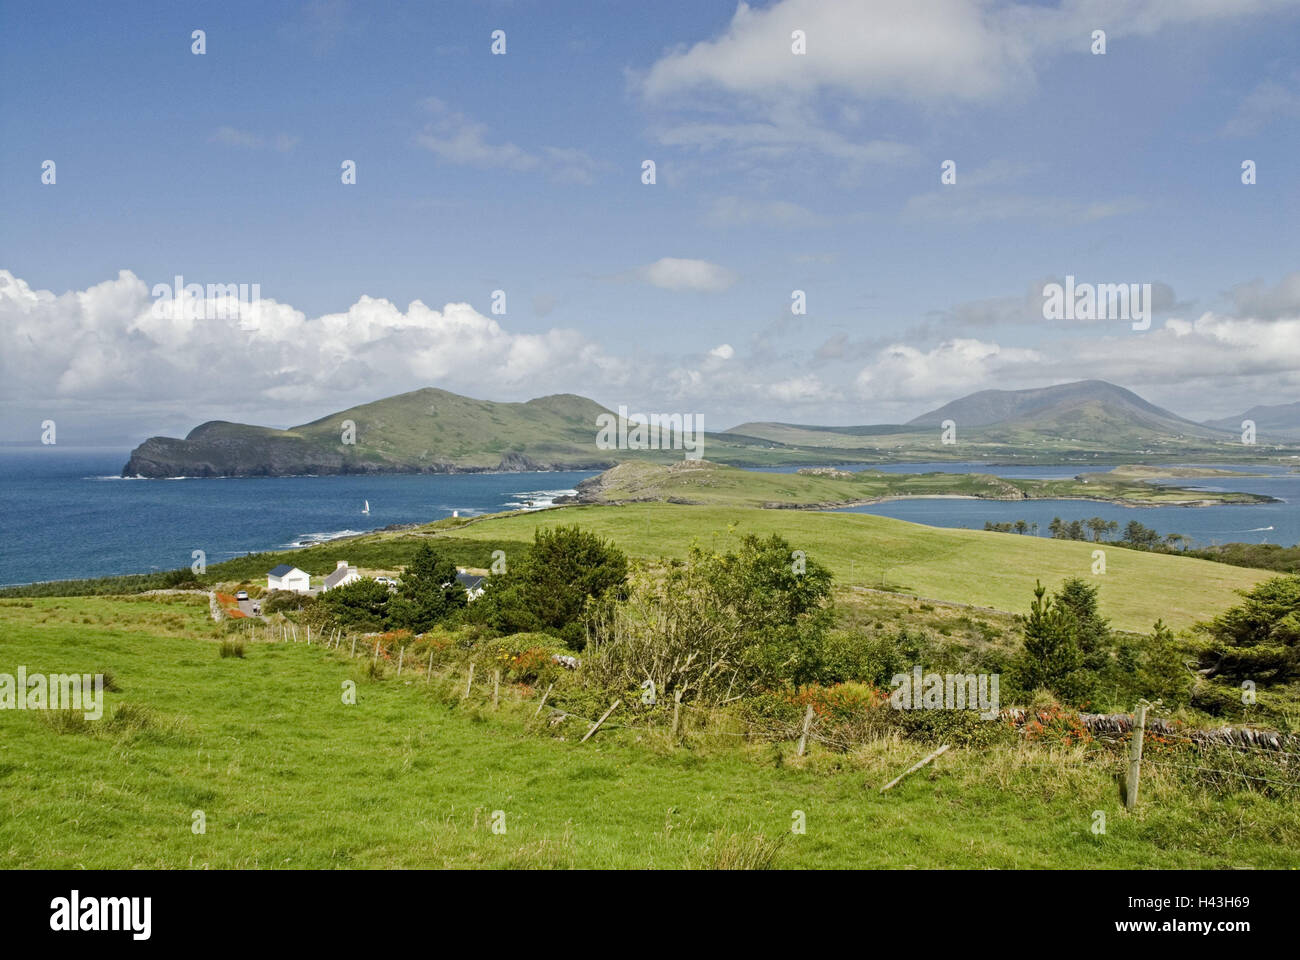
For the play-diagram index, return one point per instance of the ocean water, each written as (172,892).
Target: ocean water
(66,513)
(1240,523)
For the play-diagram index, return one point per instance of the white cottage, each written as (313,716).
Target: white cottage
(285,577)
(341,577)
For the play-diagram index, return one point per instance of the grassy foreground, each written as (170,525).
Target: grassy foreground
(288,776)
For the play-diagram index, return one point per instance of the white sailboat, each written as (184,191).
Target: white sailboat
(366,511)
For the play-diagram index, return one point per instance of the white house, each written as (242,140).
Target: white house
(342,576)
(473,584)
(285,577)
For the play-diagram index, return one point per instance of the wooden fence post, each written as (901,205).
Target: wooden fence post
(309,634)
(914,767)
(428,673)
(543,703)
(603,717)
(803,737)
(1135,756)
(375,659)
(401,655)
(677,712)
(496,687)
(469,680)
(353,652)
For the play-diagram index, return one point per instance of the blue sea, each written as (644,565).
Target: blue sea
(67,514)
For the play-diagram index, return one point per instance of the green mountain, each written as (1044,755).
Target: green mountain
(1084,418)
(425,431)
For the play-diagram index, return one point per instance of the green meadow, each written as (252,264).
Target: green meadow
(288,776)
(975,567)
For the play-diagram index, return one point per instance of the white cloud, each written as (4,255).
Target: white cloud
(908,48)
(723,351)
(674,273)
(901,371)
(456,138)
(1265,105)
(269,360)
(939,51)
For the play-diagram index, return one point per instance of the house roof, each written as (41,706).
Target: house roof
(338,575)
(282,570)
(469,581)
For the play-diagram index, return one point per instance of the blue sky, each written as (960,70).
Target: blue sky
(522,172)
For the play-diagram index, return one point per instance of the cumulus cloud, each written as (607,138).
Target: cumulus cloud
(901,371)
(675,273)
(111,345)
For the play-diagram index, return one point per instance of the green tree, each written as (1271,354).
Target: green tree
(1163,673)
(1258,640)
(362,604)
(1050,657)
(1091,629)
(550,588)
(428,594)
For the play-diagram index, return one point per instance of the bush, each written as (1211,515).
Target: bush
(523,657)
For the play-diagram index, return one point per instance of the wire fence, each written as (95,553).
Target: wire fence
(1159,735)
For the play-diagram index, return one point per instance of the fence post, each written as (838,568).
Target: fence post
(1135,755)
(401,655)
(677,712)
(543,703)
(428,673)
(353,652)
(603,717)
(496,687)
(375,659)
(803,737)
(309,634)
(469,681)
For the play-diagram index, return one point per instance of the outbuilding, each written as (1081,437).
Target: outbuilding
(285,577)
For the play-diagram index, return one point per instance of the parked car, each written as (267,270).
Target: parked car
(242,595)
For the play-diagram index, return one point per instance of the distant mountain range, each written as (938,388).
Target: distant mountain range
(1281,420)
(434,431)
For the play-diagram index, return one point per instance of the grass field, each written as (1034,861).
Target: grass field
(995,570)
(288,776)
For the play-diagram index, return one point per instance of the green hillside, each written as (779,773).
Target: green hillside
(995,570)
